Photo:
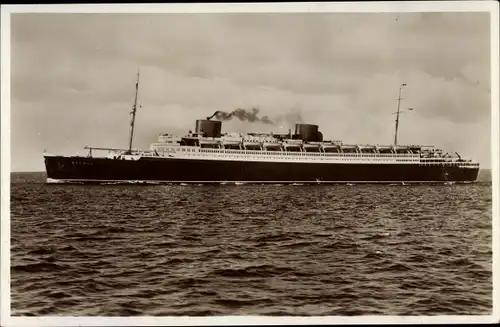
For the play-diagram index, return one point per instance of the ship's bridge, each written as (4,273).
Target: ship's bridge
(168,138)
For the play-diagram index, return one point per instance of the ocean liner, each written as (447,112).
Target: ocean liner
(208,155)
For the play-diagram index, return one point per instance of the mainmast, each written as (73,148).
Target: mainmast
(397,115)
(134,109)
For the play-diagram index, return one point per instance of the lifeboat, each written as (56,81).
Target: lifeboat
(387,149)
(252,145)
(367,148)
(292,145)
(330,147)
(401,149)
(349,148)
(312,147)
(271,145)
(210,142)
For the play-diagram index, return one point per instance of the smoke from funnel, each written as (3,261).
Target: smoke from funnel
(243,115)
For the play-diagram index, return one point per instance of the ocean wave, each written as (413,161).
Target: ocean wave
(252,271)
(37,267)
(254,250)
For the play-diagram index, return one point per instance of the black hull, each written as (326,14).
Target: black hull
(164,170)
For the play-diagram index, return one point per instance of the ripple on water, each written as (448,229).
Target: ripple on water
(250,250)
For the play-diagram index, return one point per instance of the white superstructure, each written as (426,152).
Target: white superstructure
(242,147)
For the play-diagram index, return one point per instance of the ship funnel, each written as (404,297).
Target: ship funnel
(308,132)
(209,128)
(319,138)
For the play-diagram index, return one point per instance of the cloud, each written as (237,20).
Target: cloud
(73,75)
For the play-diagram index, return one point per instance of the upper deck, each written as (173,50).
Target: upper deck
(272,149)
(306,145)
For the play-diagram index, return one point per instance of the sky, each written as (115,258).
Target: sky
(73,78)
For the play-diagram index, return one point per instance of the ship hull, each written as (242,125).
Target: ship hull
(175,170)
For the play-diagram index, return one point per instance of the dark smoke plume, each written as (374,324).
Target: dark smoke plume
(241,114)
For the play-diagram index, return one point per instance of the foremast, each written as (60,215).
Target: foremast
(134,110)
